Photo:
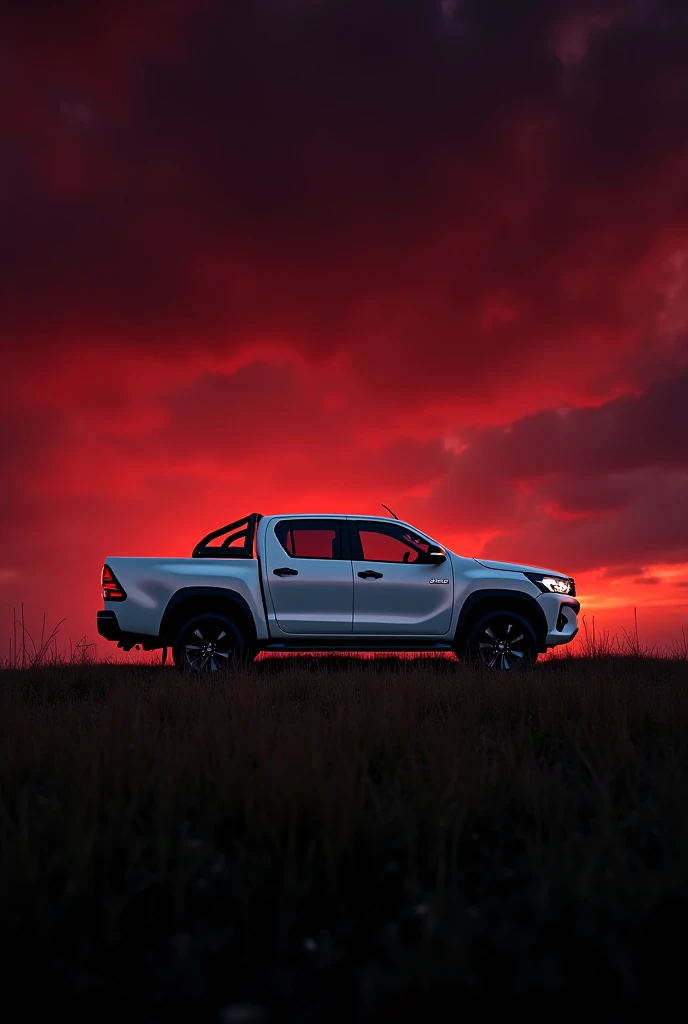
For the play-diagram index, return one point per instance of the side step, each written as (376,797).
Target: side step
(357,648)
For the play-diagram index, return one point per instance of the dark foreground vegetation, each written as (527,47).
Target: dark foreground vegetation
(340,840)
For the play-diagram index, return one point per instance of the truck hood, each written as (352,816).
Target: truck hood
(517,567)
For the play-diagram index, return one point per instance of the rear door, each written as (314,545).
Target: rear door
(397,592)
(309,575)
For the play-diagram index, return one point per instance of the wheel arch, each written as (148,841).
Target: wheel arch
(481,602)
(191,601)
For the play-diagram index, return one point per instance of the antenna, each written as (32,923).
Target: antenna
(393,514)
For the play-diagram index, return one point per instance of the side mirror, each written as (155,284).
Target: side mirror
(436,554)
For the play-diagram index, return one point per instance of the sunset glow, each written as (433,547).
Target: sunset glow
(312,256)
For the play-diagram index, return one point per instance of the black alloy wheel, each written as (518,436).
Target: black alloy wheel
(502,641)
(208,644)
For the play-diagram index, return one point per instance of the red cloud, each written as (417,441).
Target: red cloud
(300,254)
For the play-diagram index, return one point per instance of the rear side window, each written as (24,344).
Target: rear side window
(310,538)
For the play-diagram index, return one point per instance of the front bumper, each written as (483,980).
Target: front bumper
(561,613)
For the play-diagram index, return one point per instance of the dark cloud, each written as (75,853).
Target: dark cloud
(596,444)
(353,178)
(596,487)
(622,572)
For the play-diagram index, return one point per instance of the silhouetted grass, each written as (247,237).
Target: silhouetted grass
(345,840)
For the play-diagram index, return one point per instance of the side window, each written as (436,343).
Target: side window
(310,538)
(387,542)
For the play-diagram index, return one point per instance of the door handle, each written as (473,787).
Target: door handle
(370,574)
(285,572)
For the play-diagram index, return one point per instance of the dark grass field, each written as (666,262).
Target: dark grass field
(329,839)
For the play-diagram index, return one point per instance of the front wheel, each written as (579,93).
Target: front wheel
(501,641)
(207,644)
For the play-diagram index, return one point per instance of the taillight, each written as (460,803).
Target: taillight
(112,591)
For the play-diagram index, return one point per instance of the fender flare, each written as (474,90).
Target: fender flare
(219,593)
(514,597)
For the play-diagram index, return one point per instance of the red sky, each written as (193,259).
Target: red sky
(319,254)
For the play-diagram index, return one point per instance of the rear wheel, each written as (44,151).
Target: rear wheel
(209,643)
(501,641)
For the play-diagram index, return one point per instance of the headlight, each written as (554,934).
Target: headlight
(553,584)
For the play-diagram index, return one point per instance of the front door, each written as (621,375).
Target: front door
(308,572)
(396,591)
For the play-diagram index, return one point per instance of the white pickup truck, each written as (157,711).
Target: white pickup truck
(332,583)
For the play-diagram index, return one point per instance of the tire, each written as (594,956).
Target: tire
(209,643)
(500,641)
